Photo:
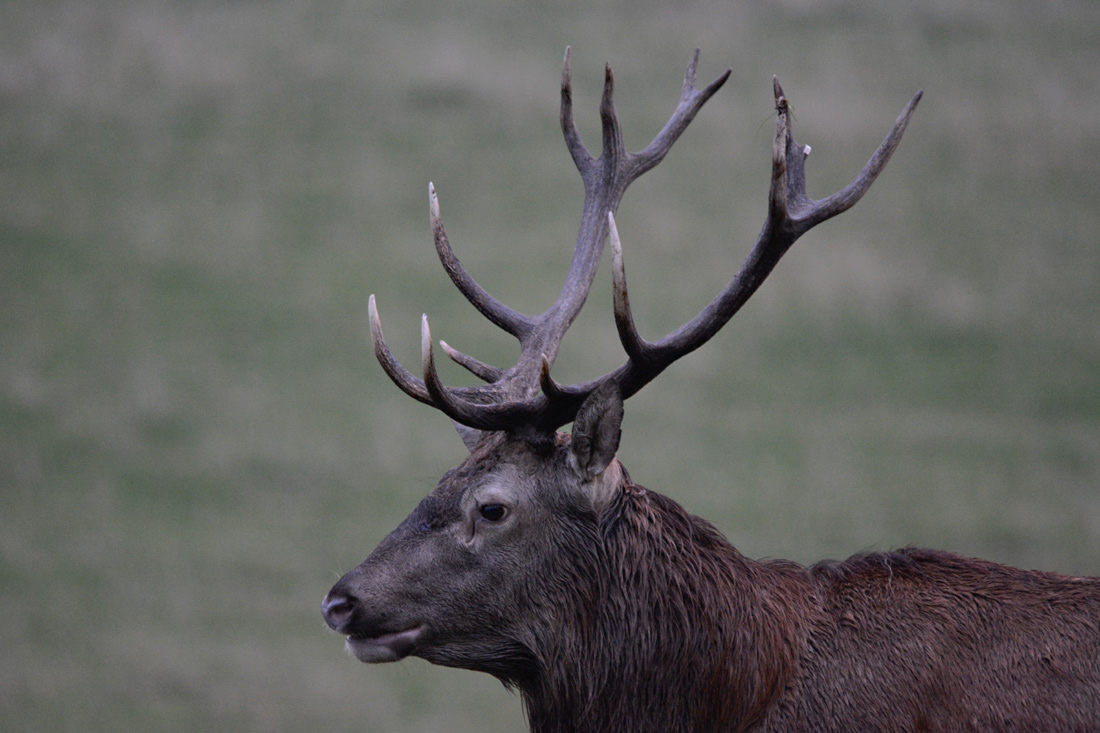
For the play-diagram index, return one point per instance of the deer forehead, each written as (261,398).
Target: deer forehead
(506,484)
(485,476)
(512,473)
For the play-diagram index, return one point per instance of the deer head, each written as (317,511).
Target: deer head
(498,567)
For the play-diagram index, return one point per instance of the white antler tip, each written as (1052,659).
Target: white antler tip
(372,313)
(616,244)
(544,373)
(450,351)
(425,340)
(433,201)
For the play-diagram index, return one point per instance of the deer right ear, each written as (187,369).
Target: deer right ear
(597,430)
(470,436)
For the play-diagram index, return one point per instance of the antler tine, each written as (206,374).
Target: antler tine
(511,321)
(480,369)
(401,376)
(438,393)
(691,101)
(624,320)
(445,399)
(613,147)
(551,389)
(581,157)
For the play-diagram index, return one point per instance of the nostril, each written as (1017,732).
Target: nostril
(337,608)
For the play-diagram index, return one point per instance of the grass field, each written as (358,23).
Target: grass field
(197,198)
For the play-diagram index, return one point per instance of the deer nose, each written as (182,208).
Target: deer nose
(337,608)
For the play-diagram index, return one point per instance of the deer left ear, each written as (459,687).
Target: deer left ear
(597,430)
(470,436)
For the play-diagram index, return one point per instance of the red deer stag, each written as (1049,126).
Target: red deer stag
(610,608)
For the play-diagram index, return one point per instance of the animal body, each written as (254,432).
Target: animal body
(610,608)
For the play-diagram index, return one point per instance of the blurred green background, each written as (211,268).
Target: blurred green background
(196,199)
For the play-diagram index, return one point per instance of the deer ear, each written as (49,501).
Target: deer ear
(597,429)
(470,436)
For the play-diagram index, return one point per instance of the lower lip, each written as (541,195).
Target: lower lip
(384,648)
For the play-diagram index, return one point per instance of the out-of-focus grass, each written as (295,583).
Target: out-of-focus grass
(196,199)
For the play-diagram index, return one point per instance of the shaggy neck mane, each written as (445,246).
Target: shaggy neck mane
(670,629)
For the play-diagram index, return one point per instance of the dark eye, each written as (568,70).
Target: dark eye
(492,512)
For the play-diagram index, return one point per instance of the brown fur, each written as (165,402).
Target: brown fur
(913,640)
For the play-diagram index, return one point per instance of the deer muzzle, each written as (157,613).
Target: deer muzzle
(366,644)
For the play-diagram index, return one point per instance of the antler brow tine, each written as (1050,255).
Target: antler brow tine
(400,376)
(441,397)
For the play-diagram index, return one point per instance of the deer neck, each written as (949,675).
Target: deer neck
(678,630)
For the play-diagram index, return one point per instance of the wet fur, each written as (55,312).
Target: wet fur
(664,626)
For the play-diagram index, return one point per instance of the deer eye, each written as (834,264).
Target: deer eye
(492,512)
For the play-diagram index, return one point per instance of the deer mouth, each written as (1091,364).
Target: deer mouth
(385,647)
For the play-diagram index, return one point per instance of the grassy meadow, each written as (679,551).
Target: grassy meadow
(197,198)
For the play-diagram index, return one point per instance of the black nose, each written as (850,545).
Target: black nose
(337,608)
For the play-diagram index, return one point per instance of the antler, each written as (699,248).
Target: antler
(525,397)
(791,213)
